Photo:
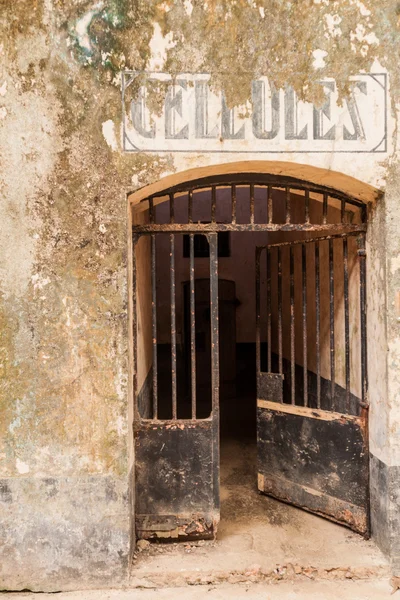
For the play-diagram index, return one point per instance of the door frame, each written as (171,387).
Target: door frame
(145,204)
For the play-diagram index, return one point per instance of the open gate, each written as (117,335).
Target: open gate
(312,434)
(311,350)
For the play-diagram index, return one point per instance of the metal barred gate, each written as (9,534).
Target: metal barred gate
(176,409)
(312,434)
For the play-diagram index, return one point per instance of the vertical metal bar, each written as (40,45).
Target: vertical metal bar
(292,331)
(280,350)
(173,324)
(151,210)
(213,203)
(332,323)
(252,203)
(192,327)
(154,324)
(325,209)
(304,285)
(346,322)
(233,198)
(270,208)
(190,206)
(307,206)
(258,312)
(363,318)
(269,310)
(171,209)
(288,205)
(318,324)
(213,242)
(343,210)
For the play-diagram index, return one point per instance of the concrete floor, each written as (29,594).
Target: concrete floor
(305,590)
(259,539)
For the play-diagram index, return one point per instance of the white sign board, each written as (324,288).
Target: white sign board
(196,119)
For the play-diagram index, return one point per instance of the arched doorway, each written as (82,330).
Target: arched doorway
(304,282)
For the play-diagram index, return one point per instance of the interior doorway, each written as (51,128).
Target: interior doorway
(249,317)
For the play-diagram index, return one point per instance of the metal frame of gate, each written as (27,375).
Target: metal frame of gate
(175,521)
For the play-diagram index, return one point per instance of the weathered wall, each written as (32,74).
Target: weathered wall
(64,424)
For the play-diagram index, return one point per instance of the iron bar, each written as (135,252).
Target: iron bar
(321,238)
(213,203)
(288,206)
(173,325)
(151,211)
(280,359)
(342,210)
(332,323)
(346,321)
(307,206)
(252,203)
(171,210)
(216,227)
(213,242)
(190,206)
(269,311)
(258,180)
(304,290)
(363,319)
(269,204)
(258,313)
(154,324)
(192,326)
(292,331)
(325,209)
(233,199)
(317,323)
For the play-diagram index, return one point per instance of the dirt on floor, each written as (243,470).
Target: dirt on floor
(259,540)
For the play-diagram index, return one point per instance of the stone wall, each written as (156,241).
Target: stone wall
(65,427)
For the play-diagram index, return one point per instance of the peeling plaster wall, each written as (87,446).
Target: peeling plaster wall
(64,424)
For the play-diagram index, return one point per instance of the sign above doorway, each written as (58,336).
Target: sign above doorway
(192,117)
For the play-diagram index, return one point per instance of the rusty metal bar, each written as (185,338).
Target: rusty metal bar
(171,210)
(321,238)
(192,326)
(269,205)
(342,210)
(318,323)
(307,206)
(216,227)
(292,331)
(173,325)
(151,211)
(213,242)
(332,323)
(252,203)
(363,319)
(233,199)
(325,209)
(190,206)
(154,324)
(280,349)
(269,311)
(304,290)
(213,203)
(258,312)
(288,206)
(346,321)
